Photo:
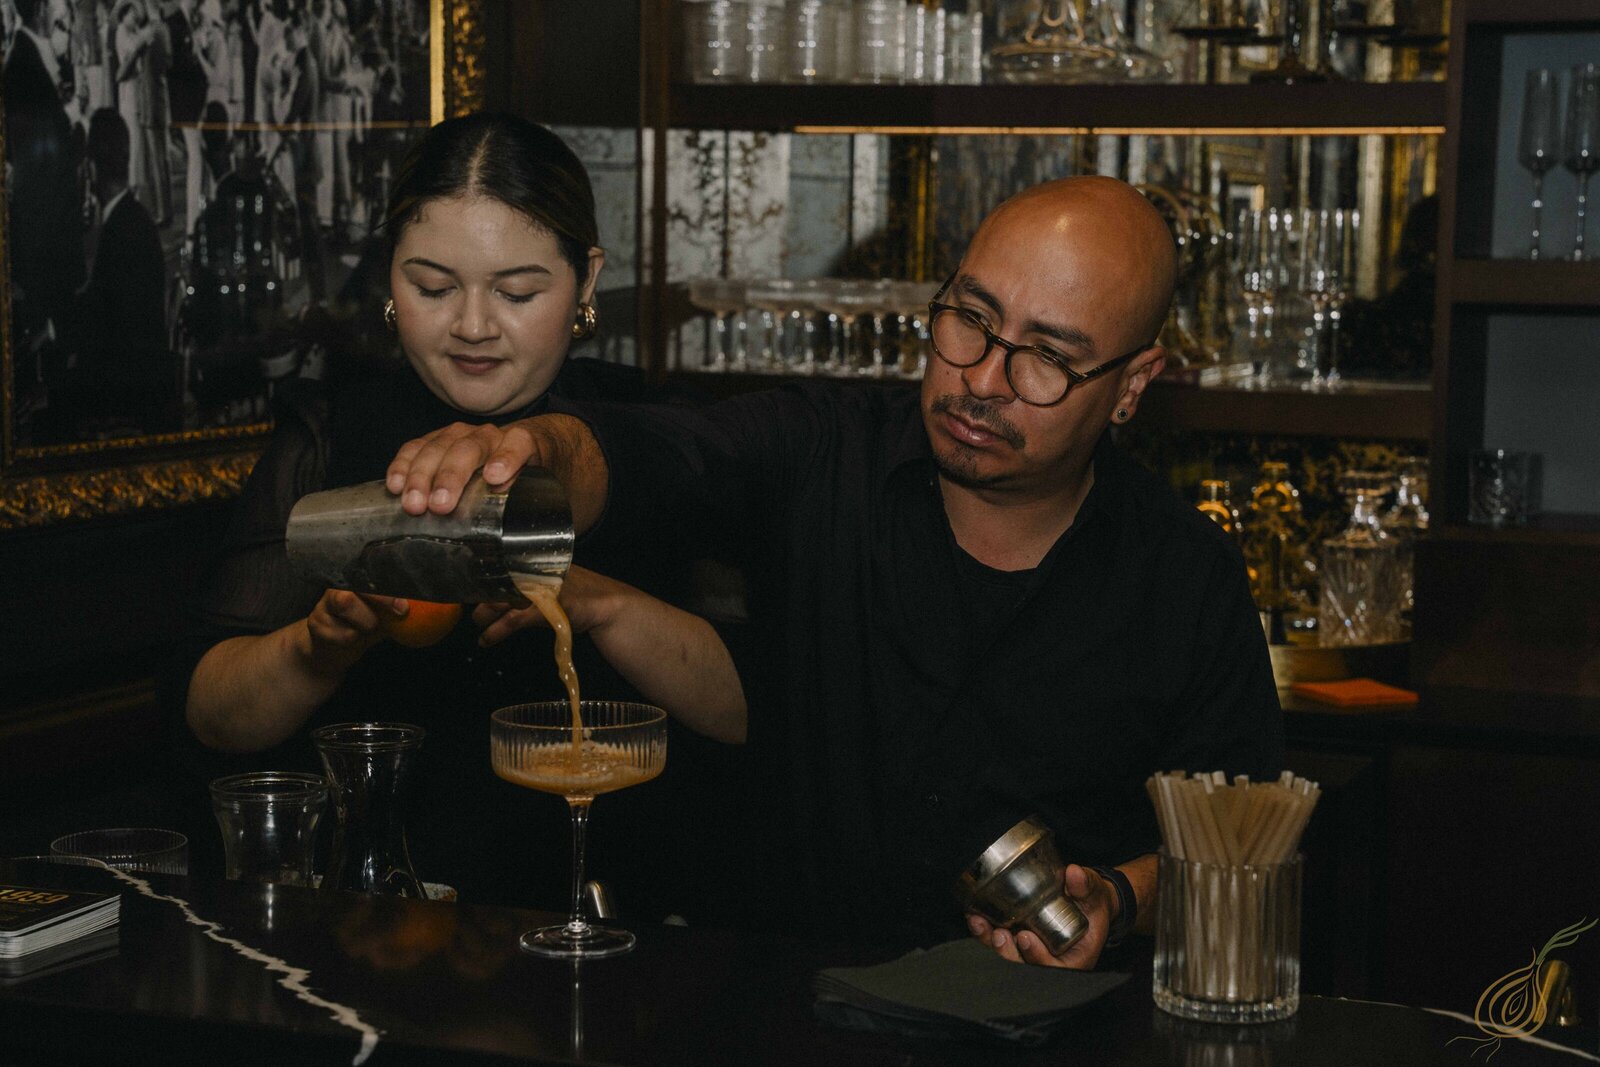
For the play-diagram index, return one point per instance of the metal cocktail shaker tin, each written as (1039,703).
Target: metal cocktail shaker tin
(490,549)
(1016,884)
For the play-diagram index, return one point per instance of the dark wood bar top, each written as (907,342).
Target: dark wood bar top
(240,974)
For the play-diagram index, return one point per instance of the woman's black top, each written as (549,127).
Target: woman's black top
(467,828)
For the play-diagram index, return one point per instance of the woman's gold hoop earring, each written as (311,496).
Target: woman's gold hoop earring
(588,322)
(389,316)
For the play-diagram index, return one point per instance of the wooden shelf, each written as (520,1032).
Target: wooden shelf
(1391,413)
(1400,106)
(1526,283)
(1566,15)
(1554,529)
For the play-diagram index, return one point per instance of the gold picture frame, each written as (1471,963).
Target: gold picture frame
(105,476)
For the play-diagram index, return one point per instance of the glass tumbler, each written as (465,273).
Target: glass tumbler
(1503,487)
(715,38)
(1228,940)
(269,824)
(925,58)
(963,48)
(880,38)
(811,41)
(763,40)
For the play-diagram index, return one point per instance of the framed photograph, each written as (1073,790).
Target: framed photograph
(191,195)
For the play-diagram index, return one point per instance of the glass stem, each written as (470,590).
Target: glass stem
(1334,314)
(1583,210)
(1538,213)
(720,342)
(1319,322)
(577,924)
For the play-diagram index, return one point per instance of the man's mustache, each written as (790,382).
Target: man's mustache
(982,415)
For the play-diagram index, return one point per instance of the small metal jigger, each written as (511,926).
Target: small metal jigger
(1016,883)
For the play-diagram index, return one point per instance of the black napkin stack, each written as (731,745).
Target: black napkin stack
(960,989)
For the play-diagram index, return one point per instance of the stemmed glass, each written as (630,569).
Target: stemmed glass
(1583,138)
(1325,262)
(722,297)
(1347,221)
(844,302)
(801,356)
(879,297)
(1539,139)
(912,300)
(1260,267)
(605,747)
(1292,66)
(773,297)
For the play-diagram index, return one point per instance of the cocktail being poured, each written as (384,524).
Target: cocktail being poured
(577,749)
(512,545)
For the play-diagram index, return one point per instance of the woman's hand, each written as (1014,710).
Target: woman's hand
(341,628)
(590,600)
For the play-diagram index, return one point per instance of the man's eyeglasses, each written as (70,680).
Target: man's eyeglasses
(962,339)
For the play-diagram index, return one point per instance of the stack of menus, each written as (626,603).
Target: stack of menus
(42,929)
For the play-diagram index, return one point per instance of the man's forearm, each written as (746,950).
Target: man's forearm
(567,447)
(1141,875)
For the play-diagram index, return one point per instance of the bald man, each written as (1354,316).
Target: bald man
(966,606)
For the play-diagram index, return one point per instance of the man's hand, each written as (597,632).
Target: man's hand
(1095,897)
(429,472)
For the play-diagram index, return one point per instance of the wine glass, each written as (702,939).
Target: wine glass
(722,297)
(1583,138)
(604,747)
(1539,139)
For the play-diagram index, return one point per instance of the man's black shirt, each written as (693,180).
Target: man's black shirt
(909,704)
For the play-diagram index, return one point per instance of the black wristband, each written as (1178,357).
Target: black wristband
(1127,904)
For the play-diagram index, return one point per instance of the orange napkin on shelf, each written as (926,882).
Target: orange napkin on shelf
(1354,693)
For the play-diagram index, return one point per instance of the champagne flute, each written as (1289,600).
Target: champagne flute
(1258,286)
(1539,139)
(1583,138)
(604,747)
(1317,258)
(1326,263)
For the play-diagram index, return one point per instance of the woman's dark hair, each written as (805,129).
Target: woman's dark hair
(517,162)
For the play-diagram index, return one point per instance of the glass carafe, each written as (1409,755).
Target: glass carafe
(1406,520)
(369,766)
(1216,505)
(1275,549)
(1361,593)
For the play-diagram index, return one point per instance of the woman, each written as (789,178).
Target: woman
(130,40)
(493,273)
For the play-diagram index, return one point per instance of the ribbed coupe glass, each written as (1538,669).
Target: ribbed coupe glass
(605,747)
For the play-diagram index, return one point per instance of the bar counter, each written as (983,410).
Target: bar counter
(245,974)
